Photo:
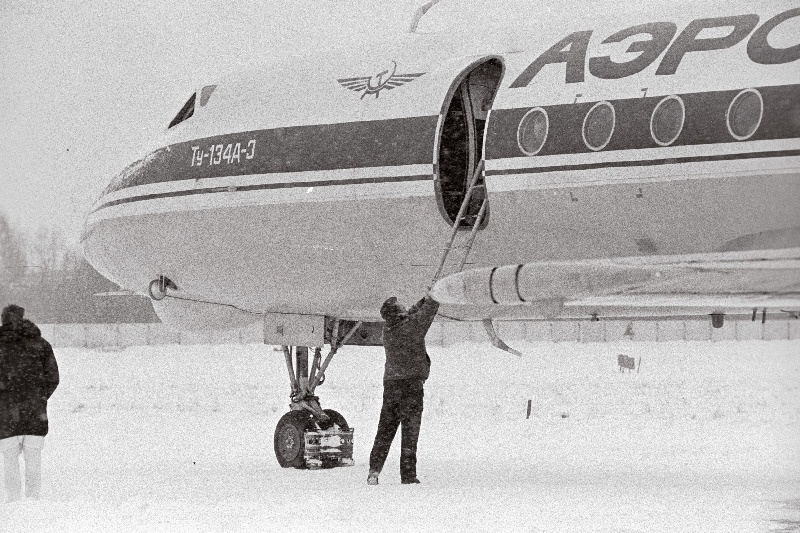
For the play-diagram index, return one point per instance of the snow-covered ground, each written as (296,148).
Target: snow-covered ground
(705,437)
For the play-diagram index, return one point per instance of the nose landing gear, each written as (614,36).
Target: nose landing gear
(309,436)
(300,442)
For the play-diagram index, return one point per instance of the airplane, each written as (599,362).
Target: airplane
(575,162)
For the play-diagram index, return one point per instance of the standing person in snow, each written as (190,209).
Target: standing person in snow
(28,377)
(407,368)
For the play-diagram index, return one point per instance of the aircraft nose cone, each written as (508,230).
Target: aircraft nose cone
(152,168)
(96,236)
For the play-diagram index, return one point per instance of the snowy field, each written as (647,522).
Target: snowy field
(705,437)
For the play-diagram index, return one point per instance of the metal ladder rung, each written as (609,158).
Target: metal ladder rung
(462,214)
(470,240)
(473,233)
(455,247)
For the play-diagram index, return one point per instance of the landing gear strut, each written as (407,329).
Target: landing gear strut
(309,436)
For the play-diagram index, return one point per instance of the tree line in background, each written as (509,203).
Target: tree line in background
(55,284)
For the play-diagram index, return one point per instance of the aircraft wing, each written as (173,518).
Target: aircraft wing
(705,282)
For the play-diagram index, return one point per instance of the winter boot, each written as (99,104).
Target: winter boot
(372,478)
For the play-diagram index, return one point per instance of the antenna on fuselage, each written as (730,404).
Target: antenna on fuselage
(419,13)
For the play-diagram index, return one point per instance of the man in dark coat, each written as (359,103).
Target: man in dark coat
(407,368)
(28,377)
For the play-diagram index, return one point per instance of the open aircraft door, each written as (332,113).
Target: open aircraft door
(460,139)
(458,96)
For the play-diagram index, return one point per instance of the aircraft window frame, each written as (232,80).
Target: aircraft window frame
(731,108)
(655,114)
(205,94)
(604,103)
(185,113)
(524,122)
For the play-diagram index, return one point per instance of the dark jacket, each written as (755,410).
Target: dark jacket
(28,377)
(404,342)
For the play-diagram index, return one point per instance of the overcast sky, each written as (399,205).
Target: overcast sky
(84,84)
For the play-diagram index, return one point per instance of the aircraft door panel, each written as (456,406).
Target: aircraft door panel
(461,139)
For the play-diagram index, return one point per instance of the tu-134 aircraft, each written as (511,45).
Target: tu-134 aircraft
(583,163)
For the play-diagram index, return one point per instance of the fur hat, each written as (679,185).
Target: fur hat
(389,308)
(12,310)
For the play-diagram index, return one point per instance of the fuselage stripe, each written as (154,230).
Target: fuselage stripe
(428,177)
(644,162)
(267,186)
(321,147)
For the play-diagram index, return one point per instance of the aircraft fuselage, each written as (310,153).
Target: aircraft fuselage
(670,135)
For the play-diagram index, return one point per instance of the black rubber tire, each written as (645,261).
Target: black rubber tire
(336,418)
(290,443)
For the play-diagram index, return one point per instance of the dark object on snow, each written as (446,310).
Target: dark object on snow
(28,376)
(626,362)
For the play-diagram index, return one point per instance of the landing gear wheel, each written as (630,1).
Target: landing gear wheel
(336,419)
(289,440)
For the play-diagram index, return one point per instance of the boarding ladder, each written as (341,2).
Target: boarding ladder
(466,245)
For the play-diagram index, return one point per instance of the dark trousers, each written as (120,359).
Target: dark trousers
(402,404)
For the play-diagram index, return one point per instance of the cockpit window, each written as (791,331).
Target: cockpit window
(186,111)
(205,94)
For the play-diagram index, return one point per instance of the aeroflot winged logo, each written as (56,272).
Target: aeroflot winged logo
(386,79)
